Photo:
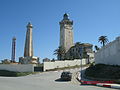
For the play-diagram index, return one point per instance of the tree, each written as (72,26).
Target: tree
(103,40)
(60,52)
(96,48)
(77,43)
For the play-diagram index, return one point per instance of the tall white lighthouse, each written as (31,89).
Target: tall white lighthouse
(28,49)
(66,32)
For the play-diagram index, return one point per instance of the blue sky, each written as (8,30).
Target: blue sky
(92,18)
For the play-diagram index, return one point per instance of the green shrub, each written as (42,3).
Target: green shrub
(13,74)
(103,71)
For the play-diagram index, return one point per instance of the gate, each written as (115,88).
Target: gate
(38,69)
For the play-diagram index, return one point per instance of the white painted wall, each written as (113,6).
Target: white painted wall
(110,54)
(17,67)
(60,64)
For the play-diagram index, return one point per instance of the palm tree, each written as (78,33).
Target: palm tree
(103,40)
(60,52)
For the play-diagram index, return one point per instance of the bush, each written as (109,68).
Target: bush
(13,74)
(103,71)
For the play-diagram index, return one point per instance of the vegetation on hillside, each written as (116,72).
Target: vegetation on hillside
(103,71)
(13,74)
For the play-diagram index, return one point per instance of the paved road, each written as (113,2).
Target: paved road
(44,81)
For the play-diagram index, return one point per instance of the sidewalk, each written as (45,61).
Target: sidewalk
(84,81)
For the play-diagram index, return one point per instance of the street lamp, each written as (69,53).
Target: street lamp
(81,55)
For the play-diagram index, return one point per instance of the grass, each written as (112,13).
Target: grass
(13,74)
(103,71)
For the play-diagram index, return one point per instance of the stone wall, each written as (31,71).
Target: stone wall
(17,67)
(110,54)
(65,63)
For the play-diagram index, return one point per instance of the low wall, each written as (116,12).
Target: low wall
(17,67)
(65,63)
(109,54)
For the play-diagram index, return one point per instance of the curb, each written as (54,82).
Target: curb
(108,84)
(116,86)
(95,82)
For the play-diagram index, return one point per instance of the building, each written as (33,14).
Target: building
(66,33)
(80,50)
(72,51)
(28,50)
(46,60)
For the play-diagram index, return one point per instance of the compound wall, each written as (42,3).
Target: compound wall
(65,63)
(109,54)
(17,67)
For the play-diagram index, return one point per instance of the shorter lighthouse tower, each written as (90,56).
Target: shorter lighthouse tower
(13,49)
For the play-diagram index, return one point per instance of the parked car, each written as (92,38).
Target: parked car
(66,75)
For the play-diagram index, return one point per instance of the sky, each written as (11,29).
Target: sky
(91,19)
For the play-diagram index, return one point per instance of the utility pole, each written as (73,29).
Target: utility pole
(13,49)
(81,56)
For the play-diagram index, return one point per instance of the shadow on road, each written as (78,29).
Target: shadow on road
(60,80)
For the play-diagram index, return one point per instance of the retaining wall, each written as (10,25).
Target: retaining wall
(17,67)
(65,63)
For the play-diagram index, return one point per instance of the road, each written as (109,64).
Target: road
(44,81)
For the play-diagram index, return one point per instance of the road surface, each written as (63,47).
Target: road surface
(44,81)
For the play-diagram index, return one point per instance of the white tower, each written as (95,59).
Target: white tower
(66,32)
(28,49)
